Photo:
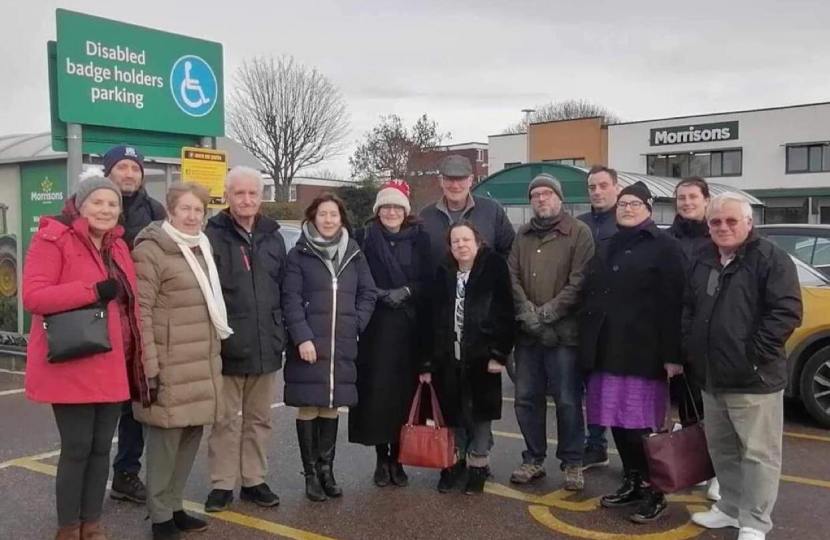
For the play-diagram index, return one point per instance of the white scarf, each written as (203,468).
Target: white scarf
(211,290)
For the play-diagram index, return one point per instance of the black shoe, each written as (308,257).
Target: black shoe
(594,456)
(382,475)
(451,477)
(399,477)
(476,478)
(166,531)
(630,493)
(219,500)
(651,509)
(187,523)
(327,433)
(261,495)
(307,438)
(128,487)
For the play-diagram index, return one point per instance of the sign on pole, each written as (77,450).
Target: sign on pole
(207,168)
(121,75)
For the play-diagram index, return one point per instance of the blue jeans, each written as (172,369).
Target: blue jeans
(596,437)
(130,442)
(543,371)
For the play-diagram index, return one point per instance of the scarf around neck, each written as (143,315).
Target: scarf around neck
(331,251)
(392,261)
(209,284)
(544,225)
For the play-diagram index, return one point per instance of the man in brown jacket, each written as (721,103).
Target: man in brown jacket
(546,265)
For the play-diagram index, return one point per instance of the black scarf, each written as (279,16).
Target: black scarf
(377,249)
(543,225)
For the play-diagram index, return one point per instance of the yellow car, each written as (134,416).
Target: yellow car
(808,349)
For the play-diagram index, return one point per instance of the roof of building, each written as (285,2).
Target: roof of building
(724,113)
(25,147)
(509,186)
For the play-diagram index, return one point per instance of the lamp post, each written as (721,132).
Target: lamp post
(527,113)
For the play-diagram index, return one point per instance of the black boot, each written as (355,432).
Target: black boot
(307,438)
(452,477)
(187,523)
(476,477)
(166,531)
(325,464)
(398,475)
(631,492)
(652,507)
(382,471)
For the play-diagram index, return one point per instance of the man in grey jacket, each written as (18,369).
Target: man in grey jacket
(457,203)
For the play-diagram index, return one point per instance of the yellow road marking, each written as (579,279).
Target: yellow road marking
(543,515)
(519,436)
(807,436)
(257,524)
(806,481)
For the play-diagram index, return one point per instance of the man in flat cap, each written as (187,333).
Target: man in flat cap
(457,203)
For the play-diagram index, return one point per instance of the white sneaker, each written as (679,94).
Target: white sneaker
(713,494)
(751,534)
(715,519)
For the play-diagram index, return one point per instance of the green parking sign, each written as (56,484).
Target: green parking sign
(120,75)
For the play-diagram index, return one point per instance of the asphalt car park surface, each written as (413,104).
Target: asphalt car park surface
(29,447)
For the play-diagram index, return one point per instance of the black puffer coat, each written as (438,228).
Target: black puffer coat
(737,319)
(139,211)
(390,349)
(250,269)
(331,311)
(633,298)
(692,235)
(489,334)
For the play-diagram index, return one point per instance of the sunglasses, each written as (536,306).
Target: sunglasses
(714,223)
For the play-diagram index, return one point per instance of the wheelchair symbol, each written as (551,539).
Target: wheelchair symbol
(193,85)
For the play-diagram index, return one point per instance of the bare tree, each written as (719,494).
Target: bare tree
(288,115)
(571,109)
(325,174)
(388,150)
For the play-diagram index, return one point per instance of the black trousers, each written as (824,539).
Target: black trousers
(130,442)
(630,446)
(86,432)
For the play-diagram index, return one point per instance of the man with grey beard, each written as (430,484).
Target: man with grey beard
(546,267)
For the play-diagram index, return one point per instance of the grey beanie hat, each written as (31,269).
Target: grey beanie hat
(546,180)
(94,183)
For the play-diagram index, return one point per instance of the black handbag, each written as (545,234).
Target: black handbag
(77,333)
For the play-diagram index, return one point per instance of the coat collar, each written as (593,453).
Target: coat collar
(564,226)
(711,254)
(262,224)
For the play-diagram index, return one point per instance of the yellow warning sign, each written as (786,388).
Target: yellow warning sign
(208,168)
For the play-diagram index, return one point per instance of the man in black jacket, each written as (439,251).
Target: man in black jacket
(603,190)
(742,303)
(250,258)
(124,165)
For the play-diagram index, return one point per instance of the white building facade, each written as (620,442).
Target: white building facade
(506,151)
(780,155)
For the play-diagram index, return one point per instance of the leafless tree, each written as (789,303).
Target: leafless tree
(325,174)
(571,109)
(388,150)
(288,115)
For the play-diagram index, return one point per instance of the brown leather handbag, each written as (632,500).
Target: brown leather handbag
(423,445)
(679,459)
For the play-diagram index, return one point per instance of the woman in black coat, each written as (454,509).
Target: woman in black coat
(474,330)
(629,339)
(327,299)
(397,250)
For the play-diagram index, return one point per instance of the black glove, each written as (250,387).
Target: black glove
(107,289)
(396,297)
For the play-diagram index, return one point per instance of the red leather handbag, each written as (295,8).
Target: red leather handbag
(680,459)
(426,446)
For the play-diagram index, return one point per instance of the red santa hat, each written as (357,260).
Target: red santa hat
(393,192)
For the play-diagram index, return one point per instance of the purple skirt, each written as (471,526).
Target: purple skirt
(626,402)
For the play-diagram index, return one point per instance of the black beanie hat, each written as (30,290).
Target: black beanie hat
(639,190)
(121,152)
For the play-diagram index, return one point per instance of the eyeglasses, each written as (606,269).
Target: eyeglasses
(541,195)
(392,208)
(731,222)
(634,205)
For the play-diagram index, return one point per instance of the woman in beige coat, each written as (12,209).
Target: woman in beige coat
(183,318)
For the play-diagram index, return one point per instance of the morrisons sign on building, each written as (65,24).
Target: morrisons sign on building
(724,131)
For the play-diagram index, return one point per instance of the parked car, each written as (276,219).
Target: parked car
(808,243)
(290,233)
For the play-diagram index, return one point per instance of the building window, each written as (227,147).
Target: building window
(512,164)
(808,158)
(704,164)
(574,162)
(292,193)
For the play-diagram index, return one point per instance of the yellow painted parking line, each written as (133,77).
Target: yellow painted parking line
(543,515)
(519,436)
(257,523)
(805,481)
(806,436)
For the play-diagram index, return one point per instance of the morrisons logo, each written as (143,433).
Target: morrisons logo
(46,194)
(723,131)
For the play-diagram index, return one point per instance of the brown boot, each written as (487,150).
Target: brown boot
(73,532)
(91,530)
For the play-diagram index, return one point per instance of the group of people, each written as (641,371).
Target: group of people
(603,309)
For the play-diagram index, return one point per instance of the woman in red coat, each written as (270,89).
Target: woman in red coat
(77,259)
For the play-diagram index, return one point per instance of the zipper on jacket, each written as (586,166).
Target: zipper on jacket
(333,333)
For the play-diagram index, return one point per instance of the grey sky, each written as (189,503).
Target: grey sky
(472,65)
